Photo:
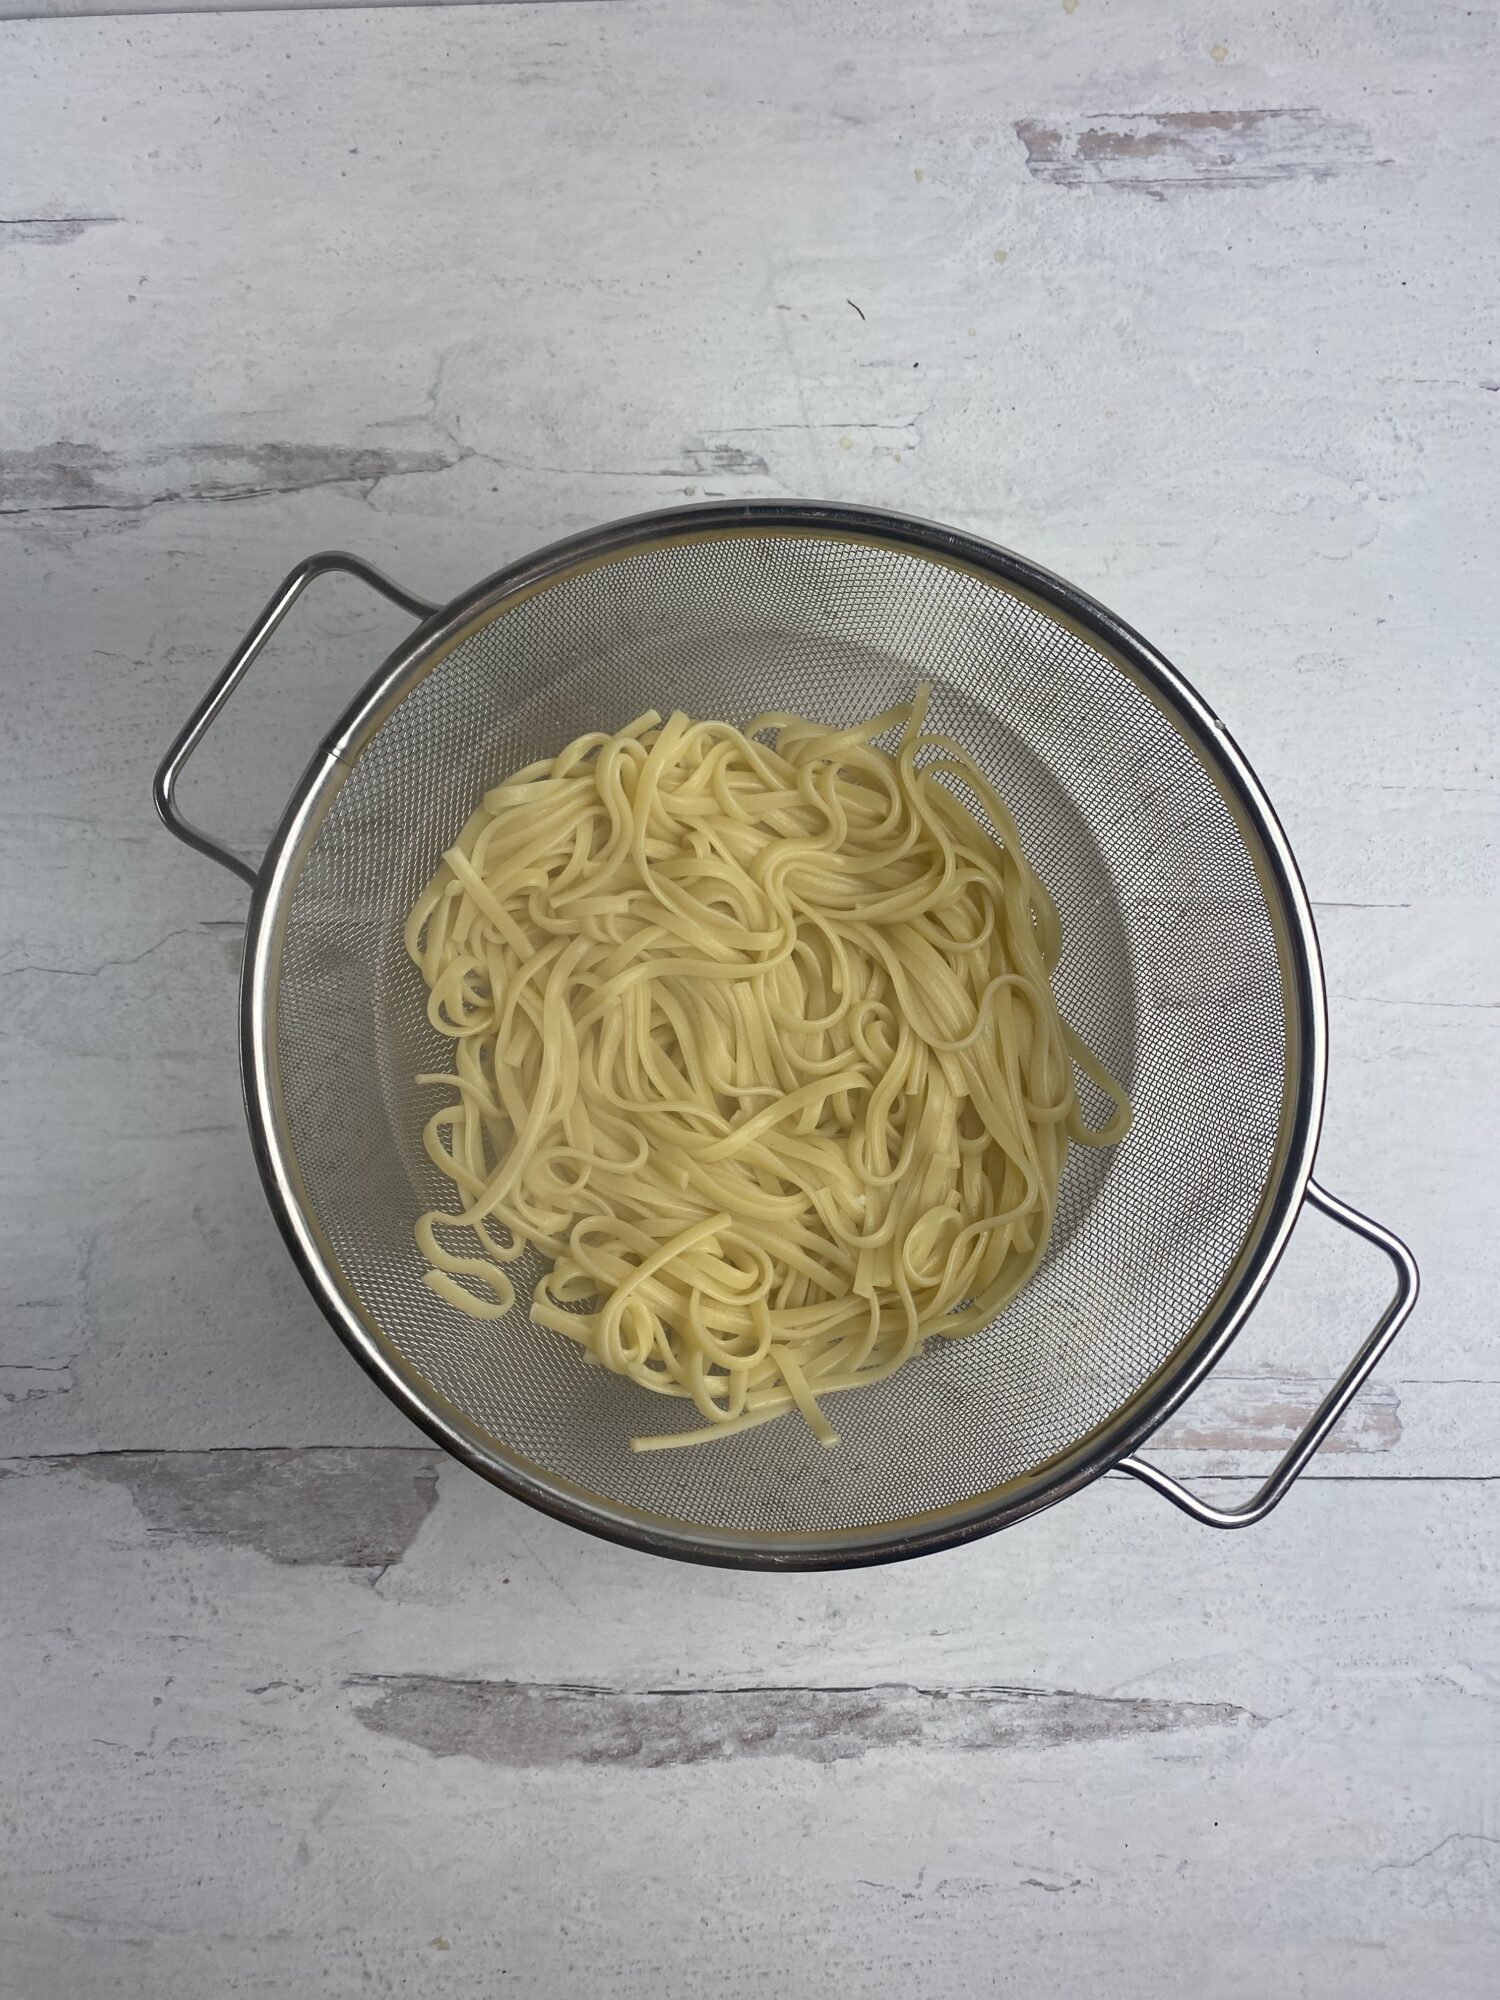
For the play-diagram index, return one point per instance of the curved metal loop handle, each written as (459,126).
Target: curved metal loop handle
(164,787)
(1333,1405)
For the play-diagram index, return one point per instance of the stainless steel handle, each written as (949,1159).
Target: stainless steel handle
(164,788)
(1333,1405)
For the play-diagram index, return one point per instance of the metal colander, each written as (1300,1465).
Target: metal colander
(1190,965)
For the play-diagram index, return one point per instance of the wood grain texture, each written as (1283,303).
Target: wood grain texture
(62,10)
(654,1729)
(69,478)
(1198,313)
(1176,152)
(1239,1763)
(355,1509)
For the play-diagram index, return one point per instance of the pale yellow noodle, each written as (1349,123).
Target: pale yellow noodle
(755,1040)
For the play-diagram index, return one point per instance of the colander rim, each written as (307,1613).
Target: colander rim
(1043,1486)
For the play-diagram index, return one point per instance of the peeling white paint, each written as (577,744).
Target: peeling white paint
(554,264)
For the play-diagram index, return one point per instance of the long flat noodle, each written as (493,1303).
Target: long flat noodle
(756,1041)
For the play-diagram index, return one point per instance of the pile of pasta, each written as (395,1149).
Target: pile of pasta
(754,1039)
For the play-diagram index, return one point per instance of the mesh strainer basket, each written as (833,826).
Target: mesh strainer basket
(1190,965)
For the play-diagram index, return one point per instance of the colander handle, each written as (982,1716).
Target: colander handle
(1333,1405)
(164,789)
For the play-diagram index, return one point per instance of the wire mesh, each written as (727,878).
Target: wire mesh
(1170,971)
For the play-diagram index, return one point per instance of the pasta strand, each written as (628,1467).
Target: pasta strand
(754,1037)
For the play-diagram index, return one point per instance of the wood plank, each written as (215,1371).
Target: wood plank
(153,509)
(296,1705)
(65,10)
(1256,1760)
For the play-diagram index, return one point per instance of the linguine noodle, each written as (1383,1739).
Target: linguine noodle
(754,1039)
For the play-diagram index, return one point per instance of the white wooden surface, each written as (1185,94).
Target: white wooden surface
(1197,307)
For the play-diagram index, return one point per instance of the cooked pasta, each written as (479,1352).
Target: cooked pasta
(754,1039)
